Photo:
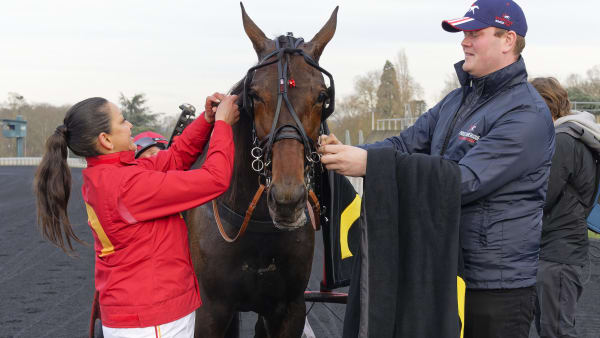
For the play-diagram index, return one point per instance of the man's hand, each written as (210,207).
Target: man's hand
(227,110)
(210,106)
(343,159)
(328,139)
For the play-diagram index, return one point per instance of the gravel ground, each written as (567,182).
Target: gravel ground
(45,293)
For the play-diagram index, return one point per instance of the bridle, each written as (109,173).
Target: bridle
(262,149)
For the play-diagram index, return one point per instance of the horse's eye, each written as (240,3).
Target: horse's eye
(254,96)
(322,97)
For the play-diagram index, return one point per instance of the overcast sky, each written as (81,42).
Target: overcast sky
(63,51)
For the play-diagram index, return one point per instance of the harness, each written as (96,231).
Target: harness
(262,149)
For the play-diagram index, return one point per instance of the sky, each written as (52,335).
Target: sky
(63,51)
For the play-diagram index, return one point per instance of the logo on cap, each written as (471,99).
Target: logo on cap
(473,8)
(504,20)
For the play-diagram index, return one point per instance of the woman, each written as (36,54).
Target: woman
(571,186)
(144,274)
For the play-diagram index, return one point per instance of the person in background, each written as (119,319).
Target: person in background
(149,143)
(571,189)
(143,270)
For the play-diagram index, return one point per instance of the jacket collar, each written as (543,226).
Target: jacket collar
(122,157)
(491,83)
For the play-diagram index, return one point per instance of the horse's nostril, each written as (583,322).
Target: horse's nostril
(287,195)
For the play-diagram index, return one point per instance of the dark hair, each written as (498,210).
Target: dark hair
(556,97)
(82,124)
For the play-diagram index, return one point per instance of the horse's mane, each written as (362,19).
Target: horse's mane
(238,87)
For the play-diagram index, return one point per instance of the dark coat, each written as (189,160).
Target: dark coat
(500,132)
(571,188)
(405,281)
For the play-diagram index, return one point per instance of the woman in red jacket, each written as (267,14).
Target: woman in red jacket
(144,273)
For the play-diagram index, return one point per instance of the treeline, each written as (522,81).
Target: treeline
(387,93)
(42,119)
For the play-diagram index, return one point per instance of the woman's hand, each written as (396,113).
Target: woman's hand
(210,106)
(227,110)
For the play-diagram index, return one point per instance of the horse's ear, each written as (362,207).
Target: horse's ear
(258,38)
(320,40)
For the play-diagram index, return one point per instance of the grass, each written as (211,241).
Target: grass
(592,234)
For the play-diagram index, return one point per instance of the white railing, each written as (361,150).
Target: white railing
(74,162)
(395,124)
(595,106)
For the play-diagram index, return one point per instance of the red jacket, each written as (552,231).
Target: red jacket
(144,272)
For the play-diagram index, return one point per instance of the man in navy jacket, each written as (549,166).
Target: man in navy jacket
(500,132)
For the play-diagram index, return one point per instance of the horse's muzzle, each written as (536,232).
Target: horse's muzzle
(286,205)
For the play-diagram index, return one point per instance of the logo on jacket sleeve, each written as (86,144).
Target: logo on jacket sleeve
(468,135)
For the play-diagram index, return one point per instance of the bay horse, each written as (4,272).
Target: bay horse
(284,101)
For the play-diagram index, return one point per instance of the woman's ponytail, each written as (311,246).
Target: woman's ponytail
(53,187)
(52,184)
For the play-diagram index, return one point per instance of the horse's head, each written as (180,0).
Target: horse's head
(286,96)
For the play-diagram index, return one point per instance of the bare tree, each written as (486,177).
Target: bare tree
(409,89)
(584,90)
(353,112)
(365,87)
(450,83)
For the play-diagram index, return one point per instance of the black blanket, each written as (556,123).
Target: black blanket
(406,282)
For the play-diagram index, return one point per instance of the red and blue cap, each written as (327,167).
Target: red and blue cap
(505,14)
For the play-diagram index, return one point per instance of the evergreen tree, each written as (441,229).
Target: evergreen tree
(388,93)
(135,111)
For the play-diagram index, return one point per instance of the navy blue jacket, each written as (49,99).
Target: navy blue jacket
(500,132)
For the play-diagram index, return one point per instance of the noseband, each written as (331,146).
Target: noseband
(262,150)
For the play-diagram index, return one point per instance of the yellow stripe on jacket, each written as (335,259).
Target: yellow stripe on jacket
(107,246)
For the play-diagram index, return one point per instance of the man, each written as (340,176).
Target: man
(571,194)
(499,131)
(149,144)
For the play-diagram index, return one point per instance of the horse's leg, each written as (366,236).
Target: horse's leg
(289,321)
(212,319)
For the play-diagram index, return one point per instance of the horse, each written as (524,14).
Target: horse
(283,101)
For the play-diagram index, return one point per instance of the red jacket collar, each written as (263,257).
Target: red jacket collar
(124,157)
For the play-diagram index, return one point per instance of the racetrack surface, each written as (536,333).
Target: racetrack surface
(45,293)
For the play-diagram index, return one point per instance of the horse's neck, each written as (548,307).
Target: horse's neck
(244,181)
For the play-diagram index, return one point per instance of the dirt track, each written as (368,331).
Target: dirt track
(45,293)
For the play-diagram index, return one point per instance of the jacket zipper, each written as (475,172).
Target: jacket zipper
(449,132)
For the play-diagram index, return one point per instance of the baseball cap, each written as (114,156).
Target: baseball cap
(504,14)
(149,139)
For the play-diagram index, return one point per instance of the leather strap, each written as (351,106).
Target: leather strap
(315,211)
(249,212)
